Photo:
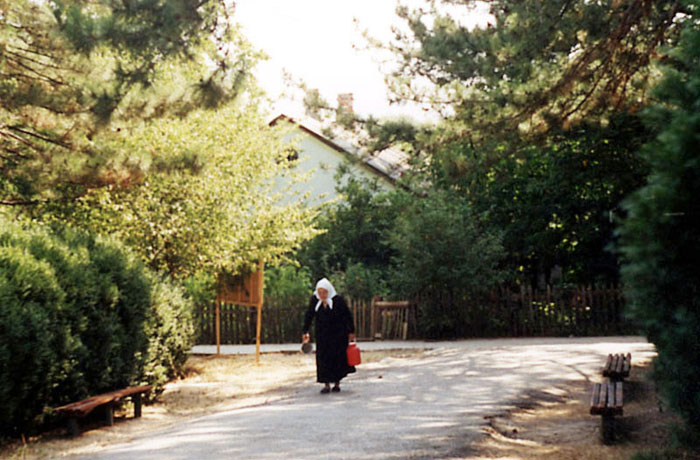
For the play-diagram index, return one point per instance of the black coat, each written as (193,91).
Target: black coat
(331,333)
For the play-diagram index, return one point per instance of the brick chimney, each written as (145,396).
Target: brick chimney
(344,105)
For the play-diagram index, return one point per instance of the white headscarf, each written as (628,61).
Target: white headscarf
(325,284)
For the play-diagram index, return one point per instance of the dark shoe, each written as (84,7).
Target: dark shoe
(336,389)
(326,390)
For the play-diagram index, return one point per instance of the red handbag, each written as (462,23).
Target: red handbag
(353,354)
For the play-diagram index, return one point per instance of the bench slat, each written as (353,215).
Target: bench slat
(607,399)
(603,398)
(618,398)
(133,390)
(618,366)
(608,363)
(628,364)
(87,405)
(620,363)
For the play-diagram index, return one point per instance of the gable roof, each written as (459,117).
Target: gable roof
(389,163)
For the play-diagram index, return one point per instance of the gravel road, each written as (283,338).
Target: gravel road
(428,407)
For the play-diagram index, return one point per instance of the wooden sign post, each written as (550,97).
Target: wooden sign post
(245,290)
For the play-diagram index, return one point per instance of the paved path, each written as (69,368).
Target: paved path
(295,347)
(429,407)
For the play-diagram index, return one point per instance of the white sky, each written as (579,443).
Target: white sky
(315,40)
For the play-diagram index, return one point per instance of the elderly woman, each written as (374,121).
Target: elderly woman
(334,328)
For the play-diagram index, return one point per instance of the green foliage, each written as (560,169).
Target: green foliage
(539,130)
(402,245)
(34,348)
(217,210)
(443,252)
(78,75)
(441,245)
(170,331)
(556,202)
(659,237)
(80,316)
(362,282)
(353,231)
(286,286)
(201,288)
(665,454)
(535,65)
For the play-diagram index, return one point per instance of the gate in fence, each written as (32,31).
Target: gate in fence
(384,320)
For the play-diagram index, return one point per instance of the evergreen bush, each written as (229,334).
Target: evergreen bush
(80,315)
(660,234)
(170,330)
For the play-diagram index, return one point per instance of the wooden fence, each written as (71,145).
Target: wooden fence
(580,311)
(506,312)
(525,312)
(279,324)
(283,324)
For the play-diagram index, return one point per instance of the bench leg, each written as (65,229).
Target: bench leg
(109,414)
(608,429)
(73,428)
(137,405)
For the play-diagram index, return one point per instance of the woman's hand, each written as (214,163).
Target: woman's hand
(351,336)
(306,338)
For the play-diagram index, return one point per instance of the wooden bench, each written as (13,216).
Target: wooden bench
(606,400)
(617,367)
(81,409)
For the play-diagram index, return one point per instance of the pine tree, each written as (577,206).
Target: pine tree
(75,73)
(535,65)
(660,234)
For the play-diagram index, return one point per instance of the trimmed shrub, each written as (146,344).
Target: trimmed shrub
(170,331)
(80,315)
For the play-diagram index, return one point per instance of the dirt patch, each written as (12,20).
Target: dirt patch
(211,384)
(556,425)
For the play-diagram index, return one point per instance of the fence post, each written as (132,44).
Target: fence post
(218,327)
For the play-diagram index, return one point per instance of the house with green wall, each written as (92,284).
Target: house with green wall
(321,150)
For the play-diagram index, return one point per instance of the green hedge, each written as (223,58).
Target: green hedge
(80,316)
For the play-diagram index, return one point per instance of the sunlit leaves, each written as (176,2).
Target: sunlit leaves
(206,201)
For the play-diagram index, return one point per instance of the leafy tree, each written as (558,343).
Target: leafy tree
(556,203)
(209,202)
(444,255)
(77,76)
(354,231)
(540,130)
(659,237)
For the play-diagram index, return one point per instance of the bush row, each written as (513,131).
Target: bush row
(80,315)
